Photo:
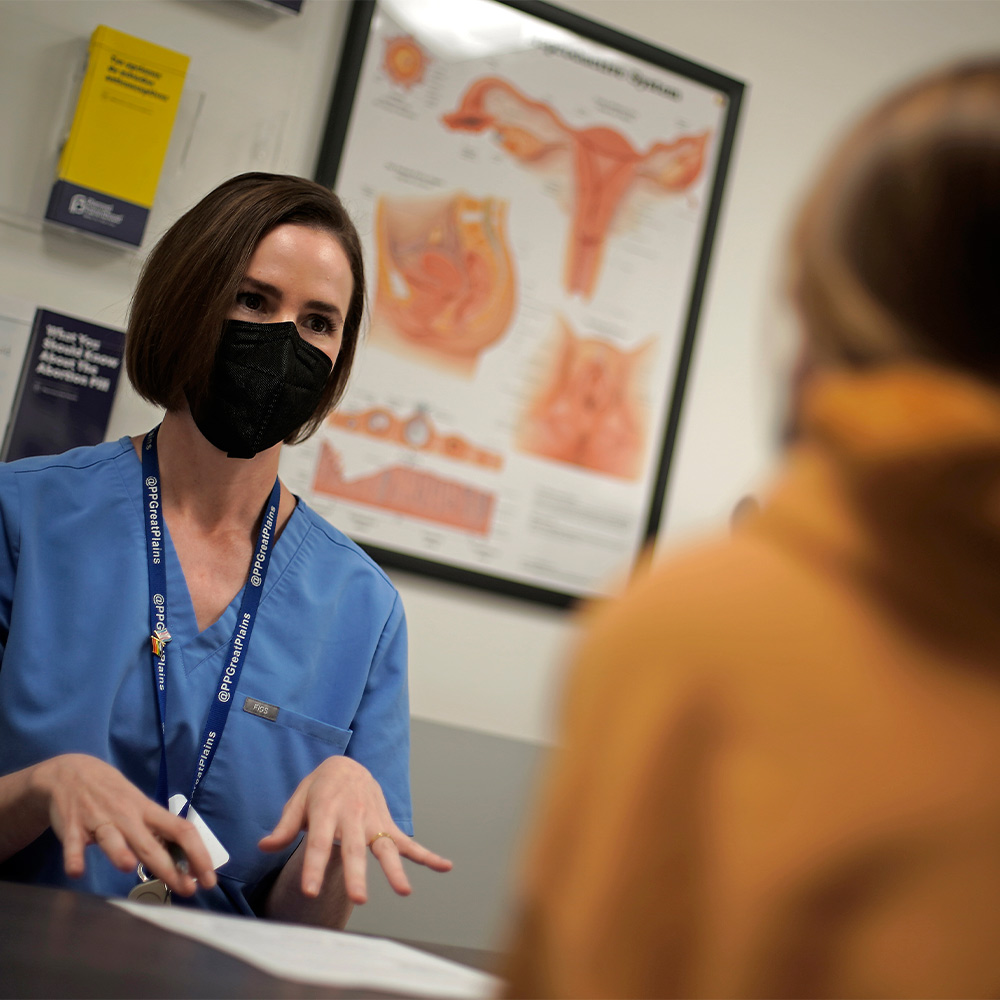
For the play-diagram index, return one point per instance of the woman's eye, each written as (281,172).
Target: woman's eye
(319,324)
(250,300)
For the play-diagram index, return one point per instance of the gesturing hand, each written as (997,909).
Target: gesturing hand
(340,800)
(90,802)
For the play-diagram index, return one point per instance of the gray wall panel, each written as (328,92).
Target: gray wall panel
(470,795)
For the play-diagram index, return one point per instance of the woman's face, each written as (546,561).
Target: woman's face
(300,275)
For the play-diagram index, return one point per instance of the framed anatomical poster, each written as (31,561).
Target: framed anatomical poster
(537,195)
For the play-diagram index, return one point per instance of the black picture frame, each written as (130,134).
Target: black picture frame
(579,42)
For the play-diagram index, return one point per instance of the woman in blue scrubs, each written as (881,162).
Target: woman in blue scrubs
(189,655)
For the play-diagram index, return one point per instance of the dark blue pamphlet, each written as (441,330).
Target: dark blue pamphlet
(66,388)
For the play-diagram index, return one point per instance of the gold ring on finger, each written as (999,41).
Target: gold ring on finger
(371,842)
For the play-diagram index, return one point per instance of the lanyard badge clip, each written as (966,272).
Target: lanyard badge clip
(154,890)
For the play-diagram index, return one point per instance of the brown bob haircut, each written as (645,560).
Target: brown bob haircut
(896,251)
(190,280)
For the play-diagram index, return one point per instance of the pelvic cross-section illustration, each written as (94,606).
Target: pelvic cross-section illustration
(445,276)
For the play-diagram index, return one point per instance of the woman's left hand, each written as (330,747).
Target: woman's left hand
(341,801)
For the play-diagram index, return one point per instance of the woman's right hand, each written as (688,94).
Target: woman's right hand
(89,802)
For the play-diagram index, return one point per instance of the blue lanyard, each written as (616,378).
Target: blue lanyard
(160,636)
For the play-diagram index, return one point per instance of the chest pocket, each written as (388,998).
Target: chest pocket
(259,763)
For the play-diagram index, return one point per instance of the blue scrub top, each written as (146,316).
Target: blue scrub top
(328,650)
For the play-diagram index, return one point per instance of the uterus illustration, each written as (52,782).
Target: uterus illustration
(588,408)
(446,281)
(602,164)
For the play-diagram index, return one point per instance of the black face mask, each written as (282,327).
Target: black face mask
(265,384)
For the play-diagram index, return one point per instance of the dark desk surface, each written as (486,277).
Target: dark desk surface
(56,943)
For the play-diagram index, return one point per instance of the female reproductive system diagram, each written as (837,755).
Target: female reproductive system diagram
(446,292)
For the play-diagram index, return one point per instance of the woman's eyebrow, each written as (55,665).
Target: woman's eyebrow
(268,289)
(324,307)
(262,286)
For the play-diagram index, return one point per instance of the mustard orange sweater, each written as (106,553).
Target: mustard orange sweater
(779,772)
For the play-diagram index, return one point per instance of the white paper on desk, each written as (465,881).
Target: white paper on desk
(323,957)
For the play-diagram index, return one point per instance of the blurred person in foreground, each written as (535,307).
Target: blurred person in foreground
(780,767)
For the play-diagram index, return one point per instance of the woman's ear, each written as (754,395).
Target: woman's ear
(803,371)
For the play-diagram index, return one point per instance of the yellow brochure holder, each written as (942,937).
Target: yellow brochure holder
(110,166)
